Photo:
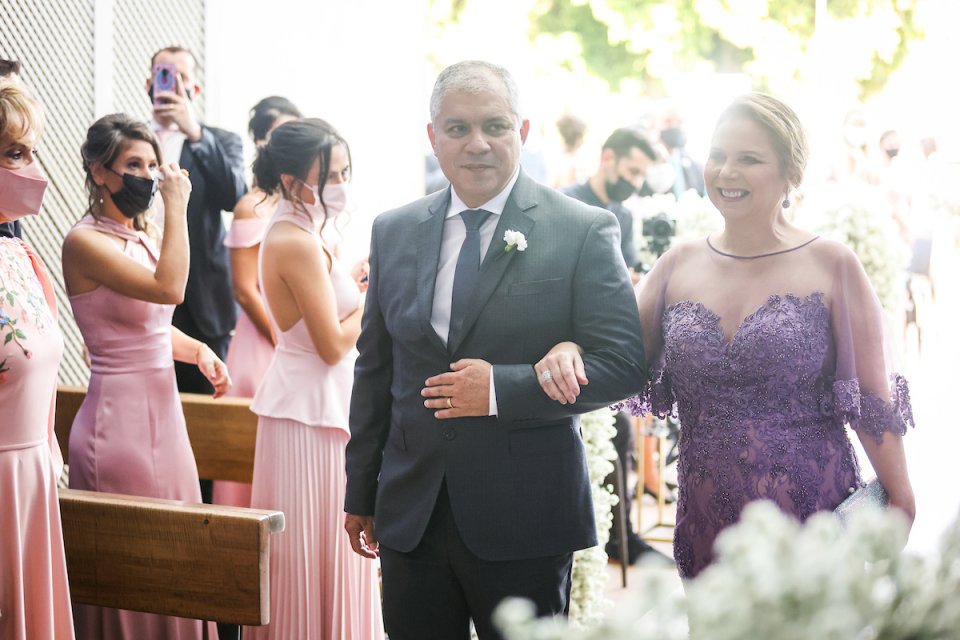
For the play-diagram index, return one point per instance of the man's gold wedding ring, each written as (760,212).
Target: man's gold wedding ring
(449,403)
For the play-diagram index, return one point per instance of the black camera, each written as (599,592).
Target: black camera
(659,228)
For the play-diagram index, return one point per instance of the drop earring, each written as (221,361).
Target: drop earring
(786,202)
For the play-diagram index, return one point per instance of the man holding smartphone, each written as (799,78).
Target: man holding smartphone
(214,159)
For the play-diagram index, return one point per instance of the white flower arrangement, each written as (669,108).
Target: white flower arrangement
(776,578)
(588,601)
(515,240)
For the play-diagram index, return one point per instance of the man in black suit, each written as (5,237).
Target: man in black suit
(214,158)
(466,478)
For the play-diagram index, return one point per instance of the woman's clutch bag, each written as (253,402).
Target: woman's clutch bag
(871,494)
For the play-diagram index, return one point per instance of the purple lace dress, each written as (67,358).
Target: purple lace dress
(764,361)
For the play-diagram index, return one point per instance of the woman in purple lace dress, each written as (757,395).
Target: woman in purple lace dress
(766,340)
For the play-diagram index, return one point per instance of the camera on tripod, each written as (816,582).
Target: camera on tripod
(659,229)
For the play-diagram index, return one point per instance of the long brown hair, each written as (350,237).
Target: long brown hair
(107,138)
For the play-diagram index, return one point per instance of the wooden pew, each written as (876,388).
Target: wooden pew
(223,432)
(169,557)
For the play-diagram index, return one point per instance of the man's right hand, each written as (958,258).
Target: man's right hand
(362,537)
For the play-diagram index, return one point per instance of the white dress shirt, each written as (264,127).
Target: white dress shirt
(171,141)
(454,233)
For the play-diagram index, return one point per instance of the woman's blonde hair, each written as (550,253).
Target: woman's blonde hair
(783,126)
(20,113)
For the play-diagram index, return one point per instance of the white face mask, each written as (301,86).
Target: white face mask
(335,198)
(660,177)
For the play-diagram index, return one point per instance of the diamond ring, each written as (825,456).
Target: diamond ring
(546,376)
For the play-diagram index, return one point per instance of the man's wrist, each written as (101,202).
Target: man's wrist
(195,134)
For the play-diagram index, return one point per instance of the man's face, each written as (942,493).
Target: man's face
(477,140)
(631,167)
(186,67)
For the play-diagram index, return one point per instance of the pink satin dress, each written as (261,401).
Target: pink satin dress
(34,596)
(319,588)
(249,355)
(130,435)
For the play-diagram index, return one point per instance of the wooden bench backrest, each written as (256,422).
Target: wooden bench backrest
(167,557)
(223,432)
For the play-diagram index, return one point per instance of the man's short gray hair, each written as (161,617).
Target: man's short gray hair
(473,76)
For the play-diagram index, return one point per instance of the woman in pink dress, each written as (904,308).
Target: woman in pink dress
(319,588)
(34,596)
(129,435)
(253,341)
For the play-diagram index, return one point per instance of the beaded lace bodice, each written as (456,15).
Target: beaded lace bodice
(763,411)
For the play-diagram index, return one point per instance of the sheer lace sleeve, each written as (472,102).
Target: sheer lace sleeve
(868,395)
(657,397)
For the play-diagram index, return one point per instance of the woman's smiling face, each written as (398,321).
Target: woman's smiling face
(743,173)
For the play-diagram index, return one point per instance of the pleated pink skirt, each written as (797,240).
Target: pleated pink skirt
(319,588)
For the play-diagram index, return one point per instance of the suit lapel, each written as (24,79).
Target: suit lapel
(517,216)
(429,238)
(186,157)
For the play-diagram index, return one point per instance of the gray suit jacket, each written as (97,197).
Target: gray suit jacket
(517,482)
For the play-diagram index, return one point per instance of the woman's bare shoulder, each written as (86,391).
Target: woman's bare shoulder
(249,205)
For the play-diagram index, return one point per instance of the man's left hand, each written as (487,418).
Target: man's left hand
(463,391)
(177,106)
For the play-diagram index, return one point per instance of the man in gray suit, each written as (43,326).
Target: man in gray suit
(466,479)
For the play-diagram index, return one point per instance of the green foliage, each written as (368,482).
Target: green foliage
(907,31)
(611,61)
(615,36)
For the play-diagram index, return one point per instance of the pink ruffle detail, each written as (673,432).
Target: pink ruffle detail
(245,233)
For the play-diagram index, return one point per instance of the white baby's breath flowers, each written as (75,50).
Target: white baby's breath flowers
(515,240)
(776,578)
(588,601)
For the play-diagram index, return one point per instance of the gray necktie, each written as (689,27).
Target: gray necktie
(468,270)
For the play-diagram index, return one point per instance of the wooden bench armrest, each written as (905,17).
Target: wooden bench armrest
(169,557)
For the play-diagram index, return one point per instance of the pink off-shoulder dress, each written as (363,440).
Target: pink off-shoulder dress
(249,353)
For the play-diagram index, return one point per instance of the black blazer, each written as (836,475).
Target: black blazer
(215,164)
(517,482)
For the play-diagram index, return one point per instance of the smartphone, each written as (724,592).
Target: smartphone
(164,79)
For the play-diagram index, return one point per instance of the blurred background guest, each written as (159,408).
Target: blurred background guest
(566,166)
(214,158)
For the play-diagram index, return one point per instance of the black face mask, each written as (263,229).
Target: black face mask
(620,190)
(136,194)
(892,153)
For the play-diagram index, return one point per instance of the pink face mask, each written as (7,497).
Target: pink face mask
(21,191)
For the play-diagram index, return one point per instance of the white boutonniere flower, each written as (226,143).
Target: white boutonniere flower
(515,240)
